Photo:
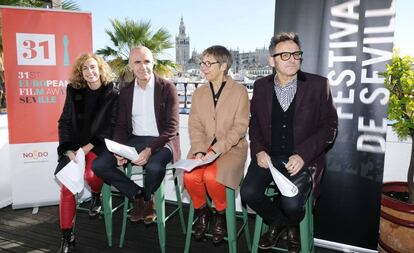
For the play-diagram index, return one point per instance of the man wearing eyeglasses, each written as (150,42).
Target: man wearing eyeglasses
(293,122)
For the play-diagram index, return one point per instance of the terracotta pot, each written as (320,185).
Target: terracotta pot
(397,222)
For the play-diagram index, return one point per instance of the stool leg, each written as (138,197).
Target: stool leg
(231,220)
(128,172)
(246,227)
(107,209)
(124,220)
(310,206)
(160,210)
(189,228)
(306,228)
(179,203)
(257,233)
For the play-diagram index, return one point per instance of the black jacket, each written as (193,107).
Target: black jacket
(101,126)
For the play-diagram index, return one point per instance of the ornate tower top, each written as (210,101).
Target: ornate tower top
(182,28)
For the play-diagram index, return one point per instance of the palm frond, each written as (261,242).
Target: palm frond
(70,5)
(127,34)
(165,68)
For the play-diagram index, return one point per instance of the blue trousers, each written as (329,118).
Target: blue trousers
(105,167)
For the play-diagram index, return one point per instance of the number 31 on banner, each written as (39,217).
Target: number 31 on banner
(35,49)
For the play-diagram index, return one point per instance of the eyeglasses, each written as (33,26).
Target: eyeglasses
(207,63)
(285,56)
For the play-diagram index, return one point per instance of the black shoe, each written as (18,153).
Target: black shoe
(201,224)
(219,227)
(95,206)
(67,242)
(293,239)
(272,236)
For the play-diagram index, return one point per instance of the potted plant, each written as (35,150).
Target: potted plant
(397,200)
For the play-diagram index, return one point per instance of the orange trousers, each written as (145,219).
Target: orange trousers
(67,205)
(202,180)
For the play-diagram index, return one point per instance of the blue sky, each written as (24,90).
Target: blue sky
(246,24)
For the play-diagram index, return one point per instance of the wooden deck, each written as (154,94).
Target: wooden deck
(21,231)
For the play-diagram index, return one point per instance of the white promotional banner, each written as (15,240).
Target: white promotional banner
(30,162)
(40,47)
(5,171)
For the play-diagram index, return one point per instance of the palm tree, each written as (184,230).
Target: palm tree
(128,34)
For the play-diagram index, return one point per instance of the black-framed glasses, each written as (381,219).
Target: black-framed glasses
(207,63)
(285,56)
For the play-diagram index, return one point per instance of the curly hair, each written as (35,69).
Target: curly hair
(76,77)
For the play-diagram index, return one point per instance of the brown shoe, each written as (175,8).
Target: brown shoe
(219,227)
(149,212)
(272,236)
(293,239)
(137,213)
(201,223)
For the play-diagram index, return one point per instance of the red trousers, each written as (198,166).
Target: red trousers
(202,180)
(67,199)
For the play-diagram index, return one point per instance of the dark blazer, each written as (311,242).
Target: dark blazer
(101,127)
(166,115)
(315,121)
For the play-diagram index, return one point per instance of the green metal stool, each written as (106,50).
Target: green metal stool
(106,210)
(306,228)
(232,233)
(159,208)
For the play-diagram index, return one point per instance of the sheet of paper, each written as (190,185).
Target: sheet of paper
(128,152)
(190,164)
(72,175)
(286,187)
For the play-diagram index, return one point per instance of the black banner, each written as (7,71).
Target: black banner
(349,42)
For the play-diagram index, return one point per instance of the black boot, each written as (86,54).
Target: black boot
(95,206)
(293,238)
(219,227)
(272,236)
(201,224)
(68,241)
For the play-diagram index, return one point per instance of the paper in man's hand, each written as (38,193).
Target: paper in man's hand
(125,151)
(286,187)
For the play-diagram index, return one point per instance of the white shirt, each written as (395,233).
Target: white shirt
(143,112)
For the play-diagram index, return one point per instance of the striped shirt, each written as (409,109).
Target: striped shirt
(285,94)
